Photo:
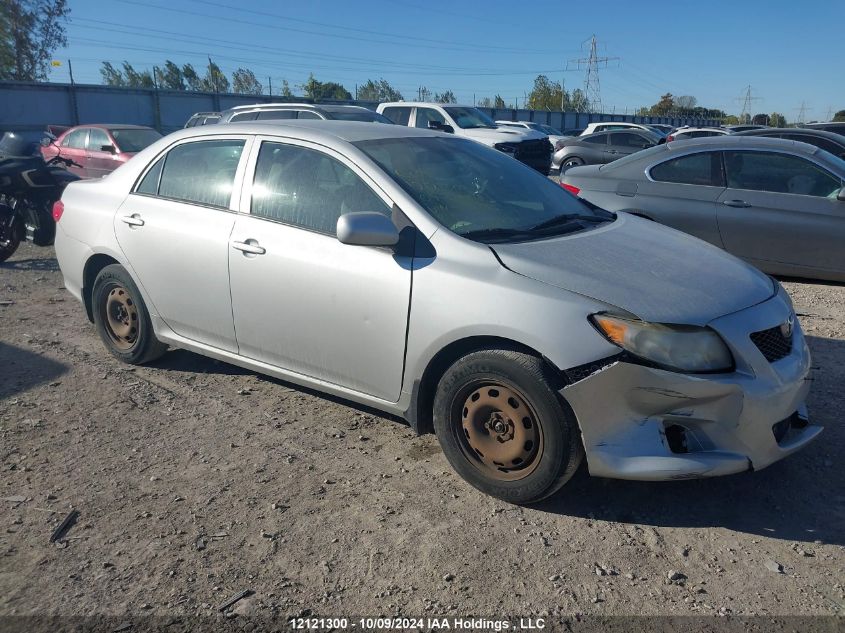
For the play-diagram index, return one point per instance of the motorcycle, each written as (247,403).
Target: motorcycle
(29,186)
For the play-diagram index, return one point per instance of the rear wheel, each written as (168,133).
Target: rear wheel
(121,318)
(503,428)
(572,161)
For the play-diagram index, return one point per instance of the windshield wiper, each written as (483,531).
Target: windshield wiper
(496,234)
(566,218)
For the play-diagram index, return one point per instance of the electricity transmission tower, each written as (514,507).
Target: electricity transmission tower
(802,112)
(592,87)
(747,100)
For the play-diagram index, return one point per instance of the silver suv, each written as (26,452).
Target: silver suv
(284,111)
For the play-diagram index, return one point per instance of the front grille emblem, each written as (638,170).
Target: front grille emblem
(787,326)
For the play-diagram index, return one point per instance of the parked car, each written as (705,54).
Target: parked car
(828,141)
(203,118)
(284,111)
(606,126)
(601,148)
(837,127)
(743,128)
(661,127)
(528,146)
(100,149)
(683,133)
(553,134)
(539,330)
(777,204)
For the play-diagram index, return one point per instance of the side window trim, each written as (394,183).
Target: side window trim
(806,159)
(245,202)
(237,185)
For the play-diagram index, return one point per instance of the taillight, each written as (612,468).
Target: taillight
(58,209)
(571,188)
(670,138)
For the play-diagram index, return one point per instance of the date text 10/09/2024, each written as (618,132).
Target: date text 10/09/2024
(423,624)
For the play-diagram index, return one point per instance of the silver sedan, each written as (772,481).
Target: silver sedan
(436,279)
(777,204)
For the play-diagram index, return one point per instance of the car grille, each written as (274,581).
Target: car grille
(535,153)
(772,343)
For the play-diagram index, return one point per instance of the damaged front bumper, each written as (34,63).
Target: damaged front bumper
(640,422)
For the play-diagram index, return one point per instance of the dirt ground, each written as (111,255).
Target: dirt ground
(195,480)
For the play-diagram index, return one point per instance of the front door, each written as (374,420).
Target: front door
(303,301)
(99,163)
(174,230)
(782,208)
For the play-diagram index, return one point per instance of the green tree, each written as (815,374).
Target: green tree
(546,95)
(445,97)
(664,106)
(685,103)
(578,101)
(192,80)
(839,116)
(485,102)
(777,120)
(245,83)
(379,90)
(30,31)
(319,91)
(286,91)
(170,77)
(111,75)
(760,119)
(137,79)
(499,103)
(214,80)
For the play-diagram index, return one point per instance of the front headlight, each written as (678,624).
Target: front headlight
(684,348)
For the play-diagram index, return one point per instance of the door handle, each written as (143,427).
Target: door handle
(132,220)
(249,247)
(741,204)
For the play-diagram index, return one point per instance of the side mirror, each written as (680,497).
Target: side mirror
(440,127)
(366,228)
(108,148)
(841,195)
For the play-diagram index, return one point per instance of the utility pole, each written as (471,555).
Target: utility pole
(746,103)
(270,86)
(802,112)
(829,116)
(592,86)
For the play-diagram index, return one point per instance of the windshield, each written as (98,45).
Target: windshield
(478,192)
(359,115)
(547,129)
(469,118)
(132,140)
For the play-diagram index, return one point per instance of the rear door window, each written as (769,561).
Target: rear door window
(703,168)
(399,115)
(276,115)
(202,172)
(628,139)
(778,173)
(307,114)
(97,138)
(76,139)
(598,139)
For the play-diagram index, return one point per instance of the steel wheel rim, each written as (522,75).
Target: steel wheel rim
(120,316)
(498,430)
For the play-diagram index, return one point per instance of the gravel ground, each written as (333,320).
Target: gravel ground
(195,480)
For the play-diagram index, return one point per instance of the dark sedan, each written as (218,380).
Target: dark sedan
(828,141)
(601,147)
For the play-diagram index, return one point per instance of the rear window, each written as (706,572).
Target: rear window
(134,139)
(399,115)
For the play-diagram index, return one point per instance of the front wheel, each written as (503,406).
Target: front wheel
(503,428)
(121,318)
(10,235)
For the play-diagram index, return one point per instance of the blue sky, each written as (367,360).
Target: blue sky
(789,53)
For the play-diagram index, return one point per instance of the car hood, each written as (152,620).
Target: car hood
(654,272)
(501,135)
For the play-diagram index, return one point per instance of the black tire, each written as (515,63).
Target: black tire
(121,318)
(557,447)
(572,161)
(10,236)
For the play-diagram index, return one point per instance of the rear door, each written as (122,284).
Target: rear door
(174,229)
(682,192)
(74,146)
(99,163)
(303,301)
(782,208)
(625,143)
(400,115)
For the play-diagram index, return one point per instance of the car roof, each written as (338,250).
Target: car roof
(735,141)
(309,129)
(280,104)
(109,126)
(833,136)
(411,104)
